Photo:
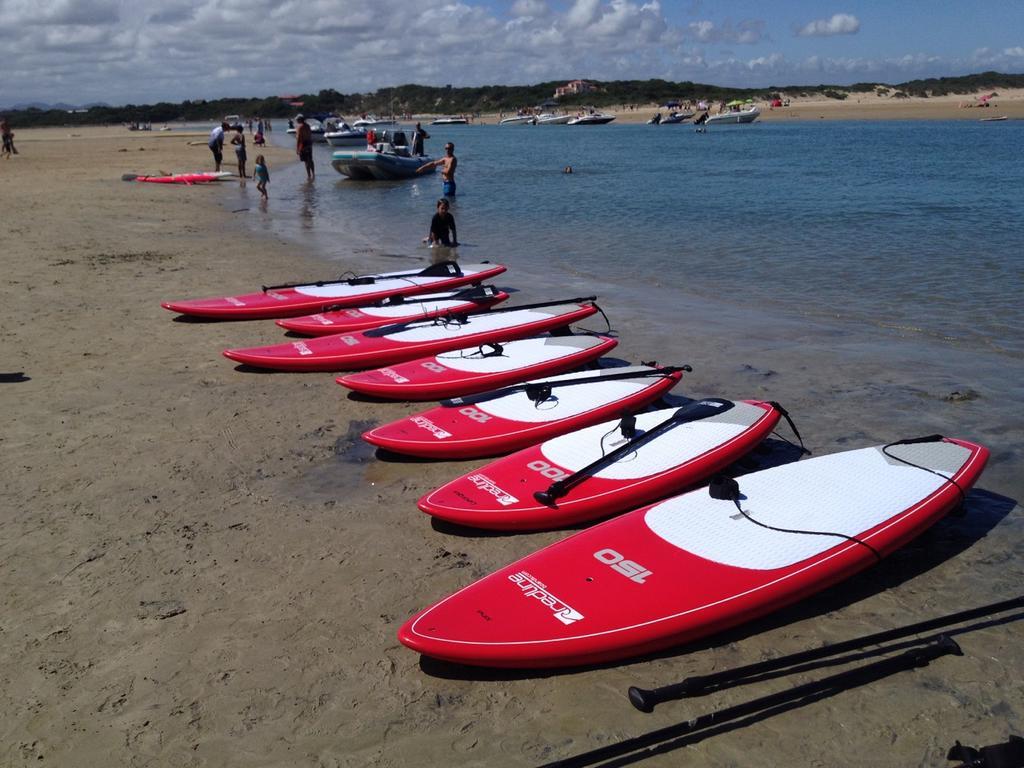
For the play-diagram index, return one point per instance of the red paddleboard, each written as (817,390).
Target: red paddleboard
(479,369)
(180,178)
(694,565)
(598,471)
(512,418)
(406,341)
(294,299)
(396,309)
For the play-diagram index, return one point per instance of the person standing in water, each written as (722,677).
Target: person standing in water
(304,146)
(447,164)
(418,136)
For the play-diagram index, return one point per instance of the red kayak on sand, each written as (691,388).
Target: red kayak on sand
(291,299)
(697,564)
(479,369)
(179,178)
(515,417)
(396,309)
(406,341)
(599,471)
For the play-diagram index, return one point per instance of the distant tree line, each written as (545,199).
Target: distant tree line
(418,99)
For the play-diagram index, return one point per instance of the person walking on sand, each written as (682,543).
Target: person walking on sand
(442,223)
(239,141)
(304,146)
(262,175)
(448,163)
(8,139)
(216,144)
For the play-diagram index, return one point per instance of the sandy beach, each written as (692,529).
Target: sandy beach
(206,567)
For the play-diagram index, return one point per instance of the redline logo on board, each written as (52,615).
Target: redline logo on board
(532,587)
(301,347)
(390,374)
(424,423)
(485,484)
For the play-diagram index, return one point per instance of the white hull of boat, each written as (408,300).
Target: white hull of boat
(734,118)
(591,120)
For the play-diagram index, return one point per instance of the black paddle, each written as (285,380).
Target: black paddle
(472,293)
(539,391)
(919,656)
(462,317)
(647,699)
(441,269)
(689,412)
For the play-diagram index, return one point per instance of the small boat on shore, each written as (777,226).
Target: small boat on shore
(675,118)
(993,119)
(449,121)
(735,117)
(591,118)
(341,134)
(372,121)
(519,120)
(388,160)
(550,118)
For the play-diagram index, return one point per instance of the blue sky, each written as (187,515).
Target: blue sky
(142,51)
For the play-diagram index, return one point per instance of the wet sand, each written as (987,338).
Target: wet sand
(206,567)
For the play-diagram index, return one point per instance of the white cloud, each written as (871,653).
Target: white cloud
(839,24)
(169,50)
(747,32)
(529,8)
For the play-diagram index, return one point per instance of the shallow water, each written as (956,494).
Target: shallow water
(867,274)
(906,225)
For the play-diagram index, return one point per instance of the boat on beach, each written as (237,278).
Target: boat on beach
(550,118)
(388,160)
(993,119)
(449,121)
(735,116)
(591,118)
(372,121)
(341,134)
(519,120)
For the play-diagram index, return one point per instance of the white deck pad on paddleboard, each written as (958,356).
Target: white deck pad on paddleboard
(516,354)
(429,330)
(383,283)
(580,449)
(566,401)
(853,492)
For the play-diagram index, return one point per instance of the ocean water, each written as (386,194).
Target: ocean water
(910,227)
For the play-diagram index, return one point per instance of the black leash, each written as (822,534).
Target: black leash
(539,391)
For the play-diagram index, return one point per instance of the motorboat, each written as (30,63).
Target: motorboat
(387,160)
(449,121)
(591,118)
(341,134)
(675,118)
(372,121)
(519,120)
(550,118)
(316,129)
(735,116)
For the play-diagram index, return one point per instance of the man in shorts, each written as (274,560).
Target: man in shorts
(304,146)
(217,144)
(447,165)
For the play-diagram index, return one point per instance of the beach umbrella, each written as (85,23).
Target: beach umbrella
(736,103)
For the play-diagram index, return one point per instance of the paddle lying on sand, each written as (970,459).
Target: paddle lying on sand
(696,685)
(664,739)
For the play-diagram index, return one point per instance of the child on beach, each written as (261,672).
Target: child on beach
(262,175)
(440,225)
(239,141)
